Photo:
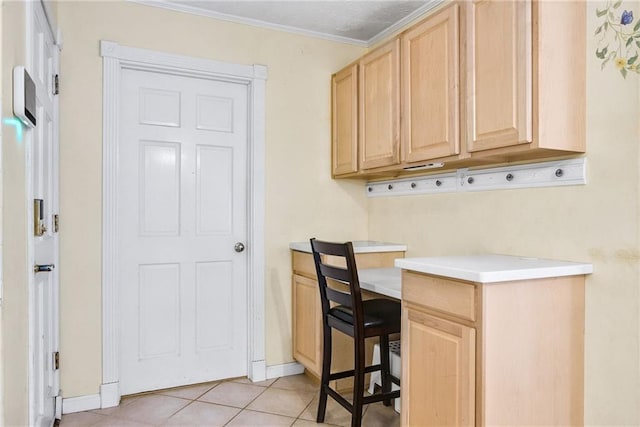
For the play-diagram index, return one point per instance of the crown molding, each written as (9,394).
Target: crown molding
(404,22)
(176,7)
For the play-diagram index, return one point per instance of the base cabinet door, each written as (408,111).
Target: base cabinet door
(307,326)
(438,371)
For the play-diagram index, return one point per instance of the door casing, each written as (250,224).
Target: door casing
(115,58)
(30,41)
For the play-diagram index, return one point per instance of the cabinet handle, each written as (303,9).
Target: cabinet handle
(559,172)
(509,177)
(470,180)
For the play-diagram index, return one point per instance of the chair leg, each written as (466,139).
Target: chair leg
(358,382)
(326,371)
(385,373)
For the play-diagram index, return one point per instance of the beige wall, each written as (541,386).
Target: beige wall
(598,223)
(14,318)
(301,198)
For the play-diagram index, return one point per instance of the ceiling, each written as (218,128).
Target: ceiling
(360,22)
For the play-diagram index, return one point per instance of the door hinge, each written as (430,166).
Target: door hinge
(56,84)
(56,223)
(56,360)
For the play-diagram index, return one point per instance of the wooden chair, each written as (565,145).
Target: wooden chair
(358,319)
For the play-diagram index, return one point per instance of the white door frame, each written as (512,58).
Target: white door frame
(116,58)
(30,16)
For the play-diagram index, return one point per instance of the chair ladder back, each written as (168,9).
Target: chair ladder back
(347,276)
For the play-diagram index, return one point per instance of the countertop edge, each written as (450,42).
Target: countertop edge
(507,275)
(382,247)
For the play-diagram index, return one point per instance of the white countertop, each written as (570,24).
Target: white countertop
(493,268)
(385,281)
(359,246)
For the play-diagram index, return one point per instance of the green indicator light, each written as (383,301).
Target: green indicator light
(12,121)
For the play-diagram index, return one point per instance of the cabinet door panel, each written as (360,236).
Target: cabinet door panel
(438,371)
(307,333)
(499,71)
(379,117)
(430,88)
(345,116)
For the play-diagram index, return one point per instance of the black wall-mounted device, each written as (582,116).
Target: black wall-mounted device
(24,96)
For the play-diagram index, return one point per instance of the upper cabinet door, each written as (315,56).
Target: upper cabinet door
(430,88)
(379,107)
(499,70)
(344,149)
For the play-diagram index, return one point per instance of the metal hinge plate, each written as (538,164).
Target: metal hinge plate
(56,360)
(56,84)
(56,223)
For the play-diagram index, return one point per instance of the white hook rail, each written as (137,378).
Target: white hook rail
(546,174)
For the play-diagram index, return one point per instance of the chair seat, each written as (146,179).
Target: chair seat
(378,313)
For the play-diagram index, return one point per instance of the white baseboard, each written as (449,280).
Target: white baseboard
(109,395)
(80,403)
(258,371)
(283,370)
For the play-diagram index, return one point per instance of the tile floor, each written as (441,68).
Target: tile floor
(286,401)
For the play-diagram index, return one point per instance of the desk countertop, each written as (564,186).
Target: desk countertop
(385,281)
(490,268)
(359,247)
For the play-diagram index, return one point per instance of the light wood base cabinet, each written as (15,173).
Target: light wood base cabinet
(307,316)
(489,354)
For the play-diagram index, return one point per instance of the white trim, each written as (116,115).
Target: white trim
(283,370)
(30,17)
(422,10)
(184,8)
(194,10)
(109,395)
(28,147)
(258,370)
(115,58)
(80,403)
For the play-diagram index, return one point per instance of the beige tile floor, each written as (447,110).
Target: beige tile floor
(286,401)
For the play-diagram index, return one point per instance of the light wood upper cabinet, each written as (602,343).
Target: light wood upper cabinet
(379,102)
(499,58)
(344,148)
(430,87)
(476,83)
(525,85)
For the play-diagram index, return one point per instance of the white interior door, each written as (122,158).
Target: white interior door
(182,160)
(44,376)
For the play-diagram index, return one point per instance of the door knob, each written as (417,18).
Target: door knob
(43,268)
(239,247)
